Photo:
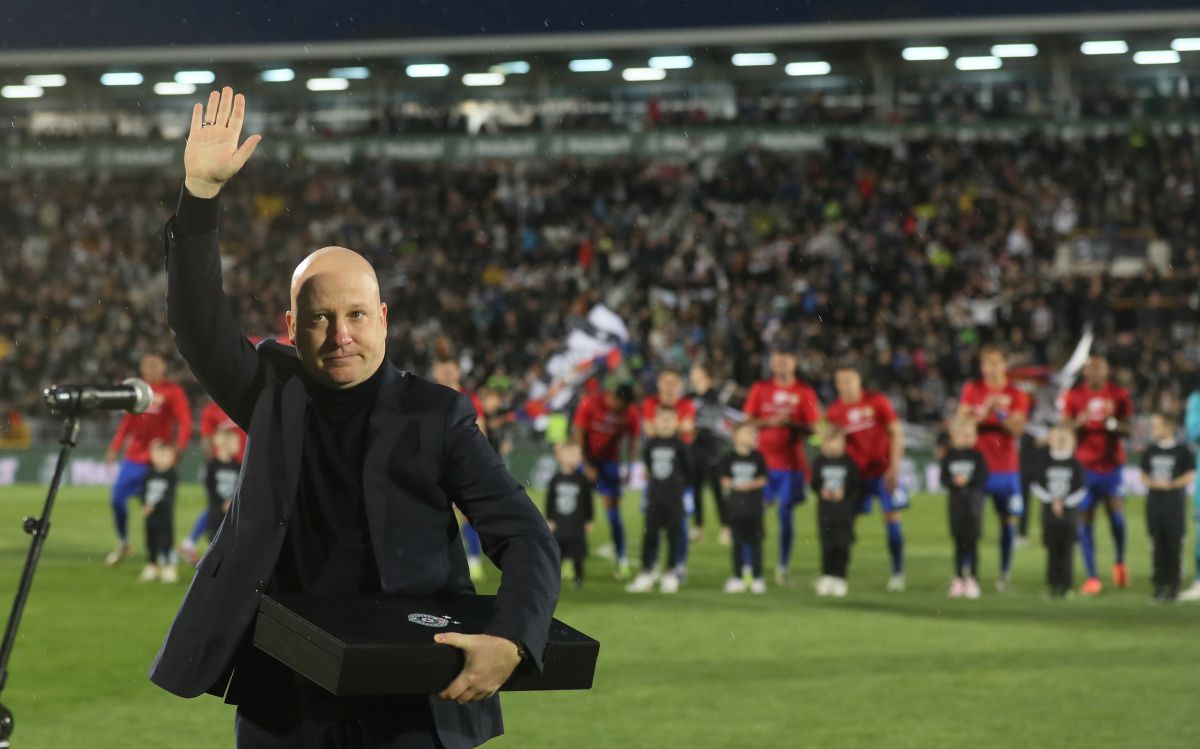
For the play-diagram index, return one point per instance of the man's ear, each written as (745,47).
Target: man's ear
(383,314)
(291,325)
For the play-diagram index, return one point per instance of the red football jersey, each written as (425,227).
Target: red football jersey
(999,448)
(604,428)
(684,409)
(477,403)
(783,446)
(865,423)
(1099,450)
(213,418)
(168,412)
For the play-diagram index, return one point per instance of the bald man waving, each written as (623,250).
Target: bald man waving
(351,470)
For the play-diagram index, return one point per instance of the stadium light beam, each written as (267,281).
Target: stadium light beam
(752,59)
(915,54)
(427,70)
(195,76)
(174,88)
(48,80)
(671,62)
(983,62)
(483,79)
(634,75)
(1186,44)
(122,79)
(1156,57)
(21,92)
(327,84)
(512,67)
(355,73)
(1111,47)
(591,65)
(1014,50)
(277,75)
(817,67)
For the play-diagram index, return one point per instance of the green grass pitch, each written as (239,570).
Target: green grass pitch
(698,669)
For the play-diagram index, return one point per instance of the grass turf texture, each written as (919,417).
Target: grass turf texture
(698,669)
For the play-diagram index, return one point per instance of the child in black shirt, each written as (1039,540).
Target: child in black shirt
(1058,483)
(964,473)
(1168,467)
(667,468)
(158,498)
(221,477)
(569,509)
(838,487)
(743,475)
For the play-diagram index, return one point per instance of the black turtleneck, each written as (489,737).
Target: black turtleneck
(328,546)
(327,552)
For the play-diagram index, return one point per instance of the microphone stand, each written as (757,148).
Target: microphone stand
(38,528)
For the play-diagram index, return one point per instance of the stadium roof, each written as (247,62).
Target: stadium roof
(67,31)
(420,66)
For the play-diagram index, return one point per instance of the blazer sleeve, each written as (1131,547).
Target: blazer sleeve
(199,315)
(514,534)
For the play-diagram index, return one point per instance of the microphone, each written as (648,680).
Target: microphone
(132,395)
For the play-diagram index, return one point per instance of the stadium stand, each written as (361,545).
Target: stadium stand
(907,255)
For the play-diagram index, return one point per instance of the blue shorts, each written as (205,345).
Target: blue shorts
(1100,486)
(888,501)
(1005,491)
(608,478)
(785,486)
(131,481)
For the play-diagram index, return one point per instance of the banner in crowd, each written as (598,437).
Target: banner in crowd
(79,154)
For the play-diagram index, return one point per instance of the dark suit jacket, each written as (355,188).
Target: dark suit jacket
(424,452)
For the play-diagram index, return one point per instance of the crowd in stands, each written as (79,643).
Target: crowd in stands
(906,256)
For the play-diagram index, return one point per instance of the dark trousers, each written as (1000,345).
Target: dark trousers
(835,521)
(835,560)
(1166,524)
(1029,501)
(1029,457)
(659,520)
(705,471)
(382,732)
(160,531)
(216,516)
(747,545)
(966,526)
(966,557)
(1058,535)
(574,549)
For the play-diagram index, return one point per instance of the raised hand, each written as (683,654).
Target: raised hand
(212,154)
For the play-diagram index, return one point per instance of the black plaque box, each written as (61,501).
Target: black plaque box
(383,646)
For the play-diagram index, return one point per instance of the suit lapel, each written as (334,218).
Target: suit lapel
(295,403)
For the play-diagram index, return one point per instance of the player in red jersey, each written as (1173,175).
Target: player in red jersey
(447,372)
(670,393)
(785,411)
(605,426)
(169,420)
(999,411)
(1100,411)
(875,443)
